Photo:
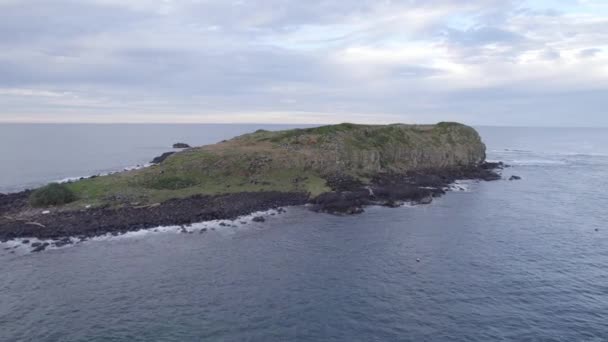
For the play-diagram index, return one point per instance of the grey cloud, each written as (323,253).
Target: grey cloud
(26,23)
(192,57)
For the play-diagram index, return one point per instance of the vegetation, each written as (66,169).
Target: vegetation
(171,183)
(290,161)
(52,194)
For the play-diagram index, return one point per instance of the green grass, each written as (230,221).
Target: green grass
(148,186)
(171,183)
(260,161)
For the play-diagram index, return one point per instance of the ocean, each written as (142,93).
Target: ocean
(494,261)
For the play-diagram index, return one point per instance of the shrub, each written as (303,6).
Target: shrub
(52,194)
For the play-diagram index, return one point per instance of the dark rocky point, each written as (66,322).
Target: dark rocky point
(181,145)
(40,248)
(161,158)
(259,219)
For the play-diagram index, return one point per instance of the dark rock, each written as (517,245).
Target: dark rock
(63,242)
(181,145)
(489,176)
(259,219)
(223,224)
(492,165)
(342,203)
(36,244)
(355,211)
(513,178)
(425,200)
(39,249)
(25,242)
(343,182)
(162,157)
(393,204)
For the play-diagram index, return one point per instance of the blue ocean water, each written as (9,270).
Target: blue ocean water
(501,261)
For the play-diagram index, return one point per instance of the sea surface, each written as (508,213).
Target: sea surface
(498,261)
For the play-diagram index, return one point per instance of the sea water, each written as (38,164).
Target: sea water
(491,261)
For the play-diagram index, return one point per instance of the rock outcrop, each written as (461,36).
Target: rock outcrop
(337,169)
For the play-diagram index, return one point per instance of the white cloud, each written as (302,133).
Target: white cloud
(287,60)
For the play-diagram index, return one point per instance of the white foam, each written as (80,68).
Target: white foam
(536,162)
(219,226)
(205,226)
(21,248)
(511,151)
(128,168)
(461,186)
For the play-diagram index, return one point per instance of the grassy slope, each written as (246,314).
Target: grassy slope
(293,160)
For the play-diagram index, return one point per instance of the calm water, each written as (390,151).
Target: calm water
(507,261)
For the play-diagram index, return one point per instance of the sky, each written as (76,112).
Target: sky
(481,62)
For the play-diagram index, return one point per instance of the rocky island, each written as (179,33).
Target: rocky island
(337,169)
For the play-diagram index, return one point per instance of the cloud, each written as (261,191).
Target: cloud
(480,61)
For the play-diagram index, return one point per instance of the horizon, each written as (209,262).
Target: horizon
(290,124)
(513,63)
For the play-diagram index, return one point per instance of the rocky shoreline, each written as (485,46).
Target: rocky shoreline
(348,196)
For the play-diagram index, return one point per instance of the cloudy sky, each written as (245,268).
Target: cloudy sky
(496,62)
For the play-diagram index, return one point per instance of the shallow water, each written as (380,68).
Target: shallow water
(514,261)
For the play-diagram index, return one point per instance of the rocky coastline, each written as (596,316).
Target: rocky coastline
(336,169)
(348,196)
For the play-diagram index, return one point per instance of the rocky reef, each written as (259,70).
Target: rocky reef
(336,169)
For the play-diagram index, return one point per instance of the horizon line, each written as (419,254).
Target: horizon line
(274,124)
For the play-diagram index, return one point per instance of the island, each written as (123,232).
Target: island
(337,169)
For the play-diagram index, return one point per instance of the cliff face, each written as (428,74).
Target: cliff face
(298,160)
(366,149)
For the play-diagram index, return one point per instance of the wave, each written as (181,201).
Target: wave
(128,168)
(536,162)
(546,153)
(19,246)
(461,186)
(508,150)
